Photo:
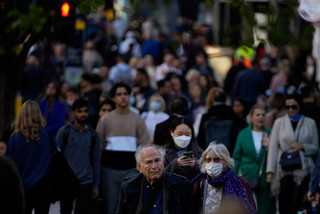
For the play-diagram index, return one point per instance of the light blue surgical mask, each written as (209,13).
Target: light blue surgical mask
(132,101)
(155,105)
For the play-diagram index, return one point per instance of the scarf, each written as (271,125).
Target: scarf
(233,187)
(295,118)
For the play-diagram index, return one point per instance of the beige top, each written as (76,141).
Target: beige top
(125,126)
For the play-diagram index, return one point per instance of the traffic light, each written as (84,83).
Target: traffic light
(64,22)
(65,9)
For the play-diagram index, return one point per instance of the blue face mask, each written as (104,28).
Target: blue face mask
(132,101)
(155,105)
(295,117)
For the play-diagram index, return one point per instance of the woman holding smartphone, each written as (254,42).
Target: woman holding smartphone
(182,151)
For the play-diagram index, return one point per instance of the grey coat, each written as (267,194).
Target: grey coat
(282,136)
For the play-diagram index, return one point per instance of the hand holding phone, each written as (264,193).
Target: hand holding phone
(187,159)
(188,154)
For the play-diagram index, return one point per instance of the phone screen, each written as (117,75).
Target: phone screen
(188,154)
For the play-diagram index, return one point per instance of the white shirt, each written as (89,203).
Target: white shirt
(257,140)
(152,119)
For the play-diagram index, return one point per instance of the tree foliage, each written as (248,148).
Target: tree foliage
(22,24)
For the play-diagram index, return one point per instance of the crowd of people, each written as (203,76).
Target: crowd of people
(148,129)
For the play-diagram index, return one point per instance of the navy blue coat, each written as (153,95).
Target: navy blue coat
(177,195)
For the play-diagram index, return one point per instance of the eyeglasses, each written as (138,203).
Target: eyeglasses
(293,107)
(209,160)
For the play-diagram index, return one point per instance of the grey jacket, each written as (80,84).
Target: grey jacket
(84,163)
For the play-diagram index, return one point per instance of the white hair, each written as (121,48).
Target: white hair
(140,149)
(219,150)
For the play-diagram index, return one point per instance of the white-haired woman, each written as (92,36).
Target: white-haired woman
(155,114)
(218,184)
(29,146)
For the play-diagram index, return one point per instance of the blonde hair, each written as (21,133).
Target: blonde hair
(256,106)
(218,150)
(212,93)
(29,121)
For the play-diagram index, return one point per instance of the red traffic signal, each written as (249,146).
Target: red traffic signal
(65,9)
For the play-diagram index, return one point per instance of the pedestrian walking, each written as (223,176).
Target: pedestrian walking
(121,132)
(29,146)
(81,146)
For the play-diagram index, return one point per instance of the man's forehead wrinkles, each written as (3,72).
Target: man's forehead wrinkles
(150,159)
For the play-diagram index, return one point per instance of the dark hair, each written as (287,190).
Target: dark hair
(176,122)
(75,89)
(96,79)
(56,84)
(91,78)
(307,90)
(119,85)
(87,77)
(142,71)
(220,96)
(107,102)
(243,103)
(179,105)
(277,100)
(161,83)
(79,103)
(120,57)
(298,98)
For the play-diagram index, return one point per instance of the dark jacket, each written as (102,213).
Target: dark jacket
(171,163)
(11,191)
(220,112)
(82,154)
(248,84)
(177,195)
(162,131)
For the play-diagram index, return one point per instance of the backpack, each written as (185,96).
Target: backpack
(219,131)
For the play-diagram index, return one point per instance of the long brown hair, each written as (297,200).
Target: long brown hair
(29,121)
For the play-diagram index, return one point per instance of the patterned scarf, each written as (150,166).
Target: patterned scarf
(233,187)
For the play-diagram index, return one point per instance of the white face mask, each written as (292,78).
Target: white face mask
(214,170)
(181,141)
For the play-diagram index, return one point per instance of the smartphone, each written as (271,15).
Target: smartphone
(188,154)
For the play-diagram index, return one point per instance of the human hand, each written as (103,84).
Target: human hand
(296,146)
(185,161)
(192,161)
(265,140)
(311,196)
(269,177)
(95,193)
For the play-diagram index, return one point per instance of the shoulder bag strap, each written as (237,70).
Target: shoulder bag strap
(93,142)
(66,133)
(261,166)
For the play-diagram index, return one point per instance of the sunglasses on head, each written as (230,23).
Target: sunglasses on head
(293,107)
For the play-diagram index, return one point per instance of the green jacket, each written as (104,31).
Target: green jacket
(246,162)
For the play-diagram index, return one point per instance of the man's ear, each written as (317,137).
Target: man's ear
(139,167)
